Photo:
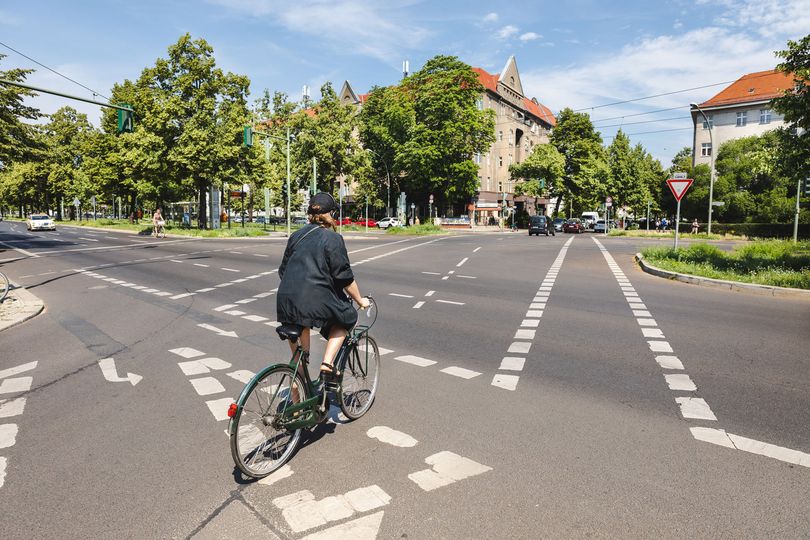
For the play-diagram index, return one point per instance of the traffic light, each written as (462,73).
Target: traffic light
(247,137)
(126,120)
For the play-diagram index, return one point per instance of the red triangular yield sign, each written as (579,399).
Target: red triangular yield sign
(679,187)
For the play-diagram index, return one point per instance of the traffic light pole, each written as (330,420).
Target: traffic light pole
(60,94)
(796,219)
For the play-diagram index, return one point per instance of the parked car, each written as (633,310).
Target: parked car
(386,222)
(599,226)
(574,226)
(344,221)
(558,224)
(362,222)
(299,221)
(540,225)
(40,222)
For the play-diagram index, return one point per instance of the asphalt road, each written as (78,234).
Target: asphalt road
(530,387)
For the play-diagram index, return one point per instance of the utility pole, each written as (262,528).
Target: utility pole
(289,222)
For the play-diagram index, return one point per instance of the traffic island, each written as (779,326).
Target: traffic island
(19,306)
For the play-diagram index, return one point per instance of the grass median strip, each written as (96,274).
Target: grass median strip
(775,263)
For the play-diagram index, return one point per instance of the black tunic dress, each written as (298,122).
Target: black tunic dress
(314,271)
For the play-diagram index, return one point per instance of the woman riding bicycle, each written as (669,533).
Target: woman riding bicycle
(316,278)
(157,223)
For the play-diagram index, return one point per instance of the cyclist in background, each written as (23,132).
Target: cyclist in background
(317,282)
(157,223)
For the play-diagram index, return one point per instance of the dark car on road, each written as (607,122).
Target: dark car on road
(574,226)
(540,225)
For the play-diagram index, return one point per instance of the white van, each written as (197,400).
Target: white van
(589,219)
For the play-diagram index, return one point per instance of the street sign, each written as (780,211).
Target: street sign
(679,176)
(678,186)
(237,194)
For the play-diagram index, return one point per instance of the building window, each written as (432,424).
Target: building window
(511,160)
(764,116)
(500,161)
(511,137)
(706,149)
(742,118)
(708,124)
(500,135)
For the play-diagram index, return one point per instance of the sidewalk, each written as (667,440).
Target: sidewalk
(19,306)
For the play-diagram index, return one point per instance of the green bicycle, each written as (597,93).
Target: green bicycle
(281,400)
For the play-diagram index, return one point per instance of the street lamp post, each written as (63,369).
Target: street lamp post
(711,155)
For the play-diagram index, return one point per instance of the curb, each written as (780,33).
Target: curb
(756,288)
(24,306)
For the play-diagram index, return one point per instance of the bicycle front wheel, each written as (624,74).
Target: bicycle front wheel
(360,378)
(260,443)
(4,286)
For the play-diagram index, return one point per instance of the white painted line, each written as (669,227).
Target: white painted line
(268,272)
(451,302)
(110,279)
(415,360)
(669,362)
(241,375)
(432,273)
(466,277)
(160,293)
(183,295)
(537,305)
(235,313)
(476,249)
(254,276)
(512,363)
(236,252)
(680,381)
(429,293)
(720,437)
(534,313)
(11,407)
(524,333)
(641,313)
(697,408)
(240,280)
(8,435)
(653,333)
(460,372)
(262,295)
(138,287)
(284,472)
(255,318)
(259,255)
(246,301)
(636,305)
(148,290)
(230,269)
(226,306)
(660,346)
(545,288)
(446,277)
(186,352)
(219,408)
(646,322)
(400,295)
(176,261)
(205,386)
(382,350)
(630,294)
(22,368)
(201,265)
(207,289)
(16,385)
(274,324)
(391,436)
(540,295)
(530,323)
(193,367)
(447,469)
(465,259)
(520,347)
(418,305)
(88,239)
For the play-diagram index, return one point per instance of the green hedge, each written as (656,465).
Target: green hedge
(753,230)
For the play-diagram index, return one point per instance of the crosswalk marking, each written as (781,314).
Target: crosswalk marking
(447,468)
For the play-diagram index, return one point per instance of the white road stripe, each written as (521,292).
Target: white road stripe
(161,293)
(391,436)
(415,360)
(451,302)
(696,408)
(205,386)
(219,408)
(400,295)
(669,362)
(660,346)
(520,347)
(176,261)
(186,352)
(22,368)
(246,301)
(653,333)
(476,249)
(460,372)
(530,323)
(11,407)
(646,322)
(680,381)
(524,333)
(641,313)
(466,277)
(432,273)
(207,289)
(512,363)
(534,313)
(720,437)
(235,312)
(429,293)
(201,265)
(16,385)
(418,305)
(225,307)
(262,295)
(8,435)
(465,259)
(182,295)
(507,382)
(255,318)
(230,269)
(447,469)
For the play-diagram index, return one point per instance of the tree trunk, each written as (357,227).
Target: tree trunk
(557,206)
(202,210)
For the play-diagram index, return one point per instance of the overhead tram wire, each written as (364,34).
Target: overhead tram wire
(54,71)
(645,122)
(640,114)
(648,132)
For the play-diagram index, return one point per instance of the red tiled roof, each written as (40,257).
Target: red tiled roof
(362,97)
(759,86)
(490,82)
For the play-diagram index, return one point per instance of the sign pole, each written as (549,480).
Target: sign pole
(677,222)
(796,219)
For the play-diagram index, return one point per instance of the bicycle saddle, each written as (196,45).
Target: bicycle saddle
(289,332)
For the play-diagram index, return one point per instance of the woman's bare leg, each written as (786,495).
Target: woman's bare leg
(304,339)
(336,336)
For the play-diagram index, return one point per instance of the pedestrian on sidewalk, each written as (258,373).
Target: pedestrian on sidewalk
(695,226)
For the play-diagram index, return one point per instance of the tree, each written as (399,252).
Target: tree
(586,171)
(544,163)
(18,140)
(64,157)
(623,180)
(448,131)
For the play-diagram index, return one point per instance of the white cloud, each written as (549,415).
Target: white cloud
(529,36)
(363,26)
(769,18)
(490,17)
(507,31)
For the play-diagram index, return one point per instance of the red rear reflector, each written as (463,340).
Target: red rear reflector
(232,410)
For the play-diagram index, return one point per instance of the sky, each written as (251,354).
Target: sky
(582,54)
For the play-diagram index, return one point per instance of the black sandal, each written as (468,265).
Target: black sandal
(327,370)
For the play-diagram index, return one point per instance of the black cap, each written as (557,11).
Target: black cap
(322,203)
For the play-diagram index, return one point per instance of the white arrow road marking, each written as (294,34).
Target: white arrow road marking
(107,366)
(218,330)
(22,368)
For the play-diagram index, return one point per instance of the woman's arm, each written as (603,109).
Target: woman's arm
(354,292)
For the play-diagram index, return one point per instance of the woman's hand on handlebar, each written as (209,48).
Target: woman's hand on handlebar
(364,302)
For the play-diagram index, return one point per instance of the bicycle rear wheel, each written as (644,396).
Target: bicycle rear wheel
(360,378)
(4,286)
(260,443)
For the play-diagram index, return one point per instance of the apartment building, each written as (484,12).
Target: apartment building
(739,110)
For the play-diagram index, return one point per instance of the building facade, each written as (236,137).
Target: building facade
(740,110)
(521,123)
